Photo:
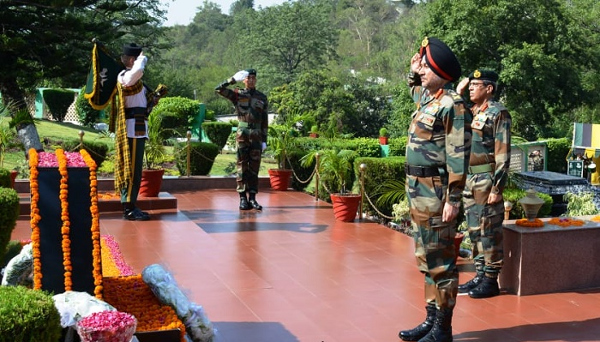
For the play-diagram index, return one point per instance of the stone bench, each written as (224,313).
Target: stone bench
(551,258)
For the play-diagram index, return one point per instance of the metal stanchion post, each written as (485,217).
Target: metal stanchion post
(363,168)
(189,151)
(81,133)
(317,179)
(507,207)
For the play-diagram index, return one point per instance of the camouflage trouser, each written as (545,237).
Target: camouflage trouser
(249,150)
(485,223)
(434,239)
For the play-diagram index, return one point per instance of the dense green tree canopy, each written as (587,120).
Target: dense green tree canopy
(50,40)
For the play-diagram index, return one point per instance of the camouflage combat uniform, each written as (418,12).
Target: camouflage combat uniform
(251,106)
(488,172)
(437,155)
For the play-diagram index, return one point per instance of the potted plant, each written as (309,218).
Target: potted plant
(334,169)
(314,131)
(154,157)
(383,136)
(280,141)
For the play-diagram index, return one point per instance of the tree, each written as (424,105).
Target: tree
(282,41)
(535,45)
(51,40)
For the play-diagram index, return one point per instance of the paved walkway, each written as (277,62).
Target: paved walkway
(292,273)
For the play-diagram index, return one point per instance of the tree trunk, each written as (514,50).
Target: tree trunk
(28,134)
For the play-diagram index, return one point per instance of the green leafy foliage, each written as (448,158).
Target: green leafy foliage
(281,140)
(580,204)
(334,168)
(218,132)
(87,115)
(58,101)
(178,114)
(9,212)
(202,158)
(558,152)
(384,182)
(28,315)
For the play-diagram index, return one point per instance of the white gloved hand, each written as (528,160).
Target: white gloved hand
(240,75)
(264,146)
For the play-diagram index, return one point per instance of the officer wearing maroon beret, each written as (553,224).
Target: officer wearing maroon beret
(437,156)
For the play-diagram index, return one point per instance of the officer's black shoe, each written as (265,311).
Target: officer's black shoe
(255,204)
(488,288)
(244,205)
(422,329)
(471,284)
(442,328)
(135,214)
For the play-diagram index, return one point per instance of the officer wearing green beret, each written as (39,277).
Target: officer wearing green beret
(488,172)
(251,107)
(437,157)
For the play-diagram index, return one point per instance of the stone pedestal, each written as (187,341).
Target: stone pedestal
(551,258)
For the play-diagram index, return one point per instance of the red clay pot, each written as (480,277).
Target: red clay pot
(280,179)
(345,206)
(151,183)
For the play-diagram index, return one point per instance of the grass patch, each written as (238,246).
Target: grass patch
(56,132)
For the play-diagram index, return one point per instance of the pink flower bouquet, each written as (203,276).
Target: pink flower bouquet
(107,326)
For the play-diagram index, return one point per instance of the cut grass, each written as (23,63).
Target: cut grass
(225,163)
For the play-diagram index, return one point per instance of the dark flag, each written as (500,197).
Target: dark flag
(102,79)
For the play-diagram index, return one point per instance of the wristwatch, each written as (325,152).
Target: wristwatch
(495,190)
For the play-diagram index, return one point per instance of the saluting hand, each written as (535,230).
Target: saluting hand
(415,63)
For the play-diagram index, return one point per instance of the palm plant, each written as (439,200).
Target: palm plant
(154,150)
(280,142)
(334,168)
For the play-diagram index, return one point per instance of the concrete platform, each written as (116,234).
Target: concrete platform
(551,258)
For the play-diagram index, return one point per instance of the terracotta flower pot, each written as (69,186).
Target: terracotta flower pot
(345,206)
(151,183)
(13,177)
(280,179)
(383,140)
(458,238)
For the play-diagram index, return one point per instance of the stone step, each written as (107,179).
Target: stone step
(164,201)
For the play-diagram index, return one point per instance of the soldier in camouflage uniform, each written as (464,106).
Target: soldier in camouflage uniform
(251,106)
(488,172)
(437,156)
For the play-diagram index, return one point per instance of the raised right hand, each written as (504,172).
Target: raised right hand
(415,63)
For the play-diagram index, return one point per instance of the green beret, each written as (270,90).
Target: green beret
(440,59)
(132,49)
(251,71)
(484,75)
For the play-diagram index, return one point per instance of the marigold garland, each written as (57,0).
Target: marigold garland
(565,221)
(35,218)
(536,223)
(64,216)
(96,248)
(132,295)
(595,218)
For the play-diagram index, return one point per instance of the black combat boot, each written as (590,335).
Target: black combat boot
(253,202)
(473,283)
(422,329)
(442,327)
(488,288)
(244,205)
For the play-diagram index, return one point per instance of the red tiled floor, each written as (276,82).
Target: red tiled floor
(293,273)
